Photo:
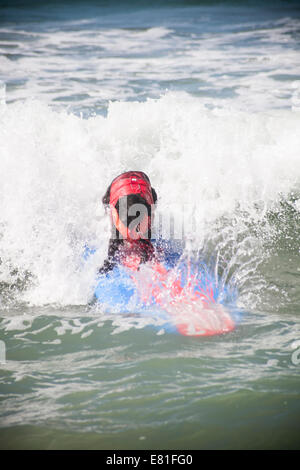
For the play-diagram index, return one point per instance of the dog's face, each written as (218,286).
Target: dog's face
(131,200)
(132,209)
(135,213)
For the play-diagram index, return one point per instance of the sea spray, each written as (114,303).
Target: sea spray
(2,93)
(227,149)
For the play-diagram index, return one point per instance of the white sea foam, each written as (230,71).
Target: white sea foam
(55,168)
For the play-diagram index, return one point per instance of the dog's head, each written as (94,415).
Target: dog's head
(131,201)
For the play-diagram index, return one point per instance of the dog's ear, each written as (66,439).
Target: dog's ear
(154,195)
(105,199)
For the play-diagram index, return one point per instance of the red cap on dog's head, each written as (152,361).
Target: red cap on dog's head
(128,184)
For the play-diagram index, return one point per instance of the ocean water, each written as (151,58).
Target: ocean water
(205,98)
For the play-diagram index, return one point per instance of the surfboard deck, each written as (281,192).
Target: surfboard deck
(197,319)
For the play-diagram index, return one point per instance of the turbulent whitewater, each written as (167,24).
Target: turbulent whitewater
(204,98)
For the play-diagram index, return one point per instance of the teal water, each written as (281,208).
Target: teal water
(88,388)
(204,97)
